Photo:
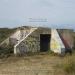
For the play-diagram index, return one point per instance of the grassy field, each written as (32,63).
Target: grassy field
(42,64)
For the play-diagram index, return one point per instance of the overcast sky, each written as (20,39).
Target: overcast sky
(56,13)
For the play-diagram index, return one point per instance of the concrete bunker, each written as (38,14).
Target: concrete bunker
(44,39)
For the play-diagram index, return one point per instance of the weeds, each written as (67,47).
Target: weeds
(69,68)
(67,65)
(6,51)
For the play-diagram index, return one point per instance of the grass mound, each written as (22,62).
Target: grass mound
(6,51)
(5,32)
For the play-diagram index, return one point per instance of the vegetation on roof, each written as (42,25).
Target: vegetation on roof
(5,32)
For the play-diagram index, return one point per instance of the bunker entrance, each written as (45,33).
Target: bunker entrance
(45,42)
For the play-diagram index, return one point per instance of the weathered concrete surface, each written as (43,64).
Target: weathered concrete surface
(56,45)
(67,37)
(19,35)
(5,42)
(32,42)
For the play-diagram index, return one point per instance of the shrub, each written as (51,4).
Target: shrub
(69,67)
(6,51)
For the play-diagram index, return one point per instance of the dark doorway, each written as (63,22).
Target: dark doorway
(45,42)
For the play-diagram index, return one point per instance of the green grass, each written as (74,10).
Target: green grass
(6,51)
(67,65)
(5,32)
(69,68)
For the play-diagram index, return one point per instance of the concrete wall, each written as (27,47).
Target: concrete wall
(18,35)
(32,42)
(67,37)
(5,42)
(56,44)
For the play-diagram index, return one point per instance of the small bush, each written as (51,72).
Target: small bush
(69,67)
(6,51)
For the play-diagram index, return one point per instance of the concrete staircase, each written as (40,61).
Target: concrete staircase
(24,35)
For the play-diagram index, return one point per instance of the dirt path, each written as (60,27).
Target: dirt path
(34,65)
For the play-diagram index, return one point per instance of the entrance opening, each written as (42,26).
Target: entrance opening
(45,42)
